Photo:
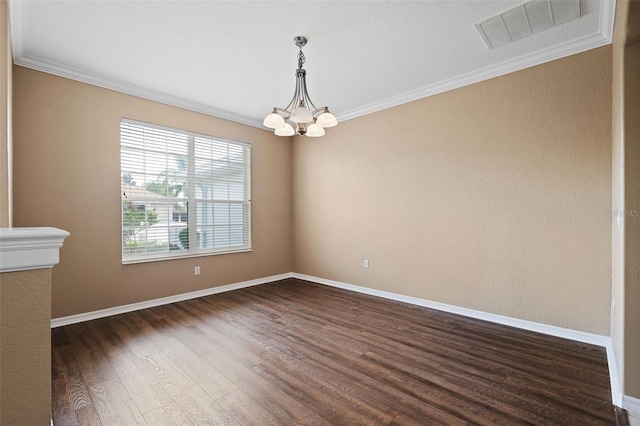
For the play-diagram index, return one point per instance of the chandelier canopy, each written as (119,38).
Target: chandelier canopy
(301,116)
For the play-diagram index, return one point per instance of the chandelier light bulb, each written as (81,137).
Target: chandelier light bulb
(315,131)
(273,121)
(326,119)
(301,114)
(286,130)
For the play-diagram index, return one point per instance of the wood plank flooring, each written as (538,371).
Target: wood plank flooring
(299,353)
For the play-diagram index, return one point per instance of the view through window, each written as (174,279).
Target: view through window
(183,194)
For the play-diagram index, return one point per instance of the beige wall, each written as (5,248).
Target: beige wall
(25,367)
(67,175)
(6,62)
(491,197)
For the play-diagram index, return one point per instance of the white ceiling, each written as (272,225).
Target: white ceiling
(236,59)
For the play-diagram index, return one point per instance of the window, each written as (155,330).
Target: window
(183,194)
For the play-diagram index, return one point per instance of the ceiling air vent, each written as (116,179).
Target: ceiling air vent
(526,19)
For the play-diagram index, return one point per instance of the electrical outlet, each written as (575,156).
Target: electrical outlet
(366,263)
(196,271)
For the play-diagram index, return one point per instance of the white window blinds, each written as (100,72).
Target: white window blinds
(183,194)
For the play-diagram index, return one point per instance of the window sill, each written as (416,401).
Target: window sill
(182,256)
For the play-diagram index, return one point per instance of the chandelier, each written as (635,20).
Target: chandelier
(301,116)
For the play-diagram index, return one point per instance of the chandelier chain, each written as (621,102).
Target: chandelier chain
(301,58)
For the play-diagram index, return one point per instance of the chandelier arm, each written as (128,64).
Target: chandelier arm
(305,94)
(296,95)
(291,105)
(281,110)
(317,110)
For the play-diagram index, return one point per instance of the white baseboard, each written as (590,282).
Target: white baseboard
(614,375)
(632,405)
(74,319)
(566,333)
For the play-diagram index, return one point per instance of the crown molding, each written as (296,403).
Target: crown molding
(130,89)
(18,30)
(536,58)
(16,27)
(601,38)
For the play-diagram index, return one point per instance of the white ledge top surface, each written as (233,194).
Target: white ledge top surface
(22,249)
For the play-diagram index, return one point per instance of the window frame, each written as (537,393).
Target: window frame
(191,198)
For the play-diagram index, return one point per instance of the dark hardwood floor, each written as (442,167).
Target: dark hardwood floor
(294,353)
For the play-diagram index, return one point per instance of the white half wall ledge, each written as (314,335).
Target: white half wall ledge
(22,249)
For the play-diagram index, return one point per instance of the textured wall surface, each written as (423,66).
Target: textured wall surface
(67,175)
(491,197)
(25,342)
